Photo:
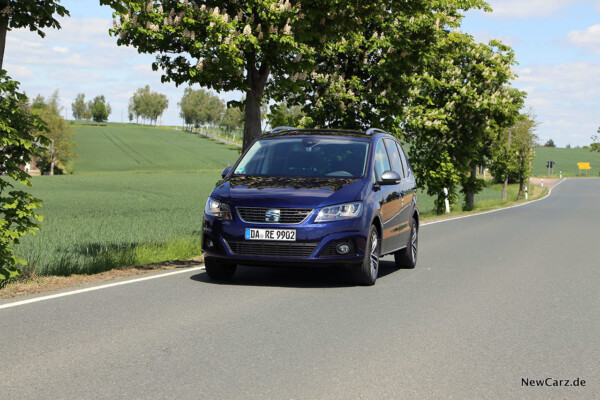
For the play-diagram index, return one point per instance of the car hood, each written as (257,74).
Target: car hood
(254,191)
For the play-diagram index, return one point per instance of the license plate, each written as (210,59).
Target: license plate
(271,234)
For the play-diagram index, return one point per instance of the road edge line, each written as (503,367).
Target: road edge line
(499,209)
(99,287)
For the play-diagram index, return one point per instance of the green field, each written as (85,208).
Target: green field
(566,161)
(136,196)
(118,148)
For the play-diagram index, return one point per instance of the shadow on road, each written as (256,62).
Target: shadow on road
(294,277)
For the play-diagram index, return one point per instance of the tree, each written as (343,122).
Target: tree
(549,143)
(99,113)
(61,148)
(595,146)
(32,14)
(283,115)
(266,48)
(459,104)
(513,153)
(147,104)
(79,107)
(99,109)
(233,118)
(18,144)
(200,107)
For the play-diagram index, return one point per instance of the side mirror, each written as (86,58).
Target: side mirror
(390,178)
(225,172)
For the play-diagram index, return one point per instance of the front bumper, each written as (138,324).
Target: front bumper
(315,243)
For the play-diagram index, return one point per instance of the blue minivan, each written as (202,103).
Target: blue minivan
(314,198)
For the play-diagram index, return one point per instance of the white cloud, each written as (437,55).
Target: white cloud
(18,72)
(589,37)
(59,49)
(564,97)
(145,70)
(508,9)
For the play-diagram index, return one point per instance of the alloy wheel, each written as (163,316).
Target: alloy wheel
(374,256)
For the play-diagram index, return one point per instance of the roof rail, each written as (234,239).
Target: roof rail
(372,131)
(281,128)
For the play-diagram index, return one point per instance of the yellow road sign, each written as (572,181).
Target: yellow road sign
(584,165)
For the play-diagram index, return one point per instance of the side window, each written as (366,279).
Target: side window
(382,163)
(405,164)
(394,157)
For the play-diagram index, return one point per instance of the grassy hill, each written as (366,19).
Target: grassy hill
(120,148)
(566,161)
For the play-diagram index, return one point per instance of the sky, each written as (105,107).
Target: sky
(557,45)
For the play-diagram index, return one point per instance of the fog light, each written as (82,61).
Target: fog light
(342,248)
(210,244)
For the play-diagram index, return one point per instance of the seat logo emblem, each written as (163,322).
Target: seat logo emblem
(272,215)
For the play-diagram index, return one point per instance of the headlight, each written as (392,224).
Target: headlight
(217,209)
(340,211)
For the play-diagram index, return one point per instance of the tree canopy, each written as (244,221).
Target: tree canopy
(99,109)
(233,118)
(32,14)
(595,146)
(147,104)
(273,49)
(18,144)
(283,115)
(80,108)
(200,107)
(99,112)
(513,152)
(61,148)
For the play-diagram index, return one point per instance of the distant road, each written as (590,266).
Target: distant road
(495,299)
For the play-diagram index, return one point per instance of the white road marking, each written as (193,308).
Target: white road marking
(492,211)
(147,278)
(93,288)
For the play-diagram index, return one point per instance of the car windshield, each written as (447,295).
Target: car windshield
(314,157)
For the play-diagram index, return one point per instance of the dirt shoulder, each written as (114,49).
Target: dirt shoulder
(42,284)
(548,182)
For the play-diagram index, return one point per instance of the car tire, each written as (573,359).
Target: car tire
(365,273)
(219,270)
(407,257)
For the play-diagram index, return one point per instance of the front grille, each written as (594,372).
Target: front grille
(270,249)
(286,216)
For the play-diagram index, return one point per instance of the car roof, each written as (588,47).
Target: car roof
(278,132)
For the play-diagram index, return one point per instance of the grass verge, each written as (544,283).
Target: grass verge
(96,258)
(487,205)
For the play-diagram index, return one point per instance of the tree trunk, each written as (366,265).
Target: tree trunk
(257,80)
(470,192)
(2,42)
(505,187)
(521,188)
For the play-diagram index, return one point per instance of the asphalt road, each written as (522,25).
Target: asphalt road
(495,299)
